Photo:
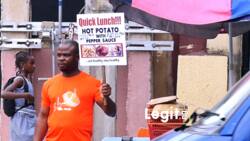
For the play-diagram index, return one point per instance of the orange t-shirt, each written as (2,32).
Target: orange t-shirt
(71,101)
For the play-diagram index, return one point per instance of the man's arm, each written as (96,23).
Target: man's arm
(106,103)
(42,124)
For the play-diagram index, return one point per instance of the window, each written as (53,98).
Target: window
(47,10)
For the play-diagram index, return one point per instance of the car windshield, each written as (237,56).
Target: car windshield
(235,97)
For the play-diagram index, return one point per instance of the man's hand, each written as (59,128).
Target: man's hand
(105,90)
(107,105)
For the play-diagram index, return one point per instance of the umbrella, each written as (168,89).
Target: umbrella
(197,18)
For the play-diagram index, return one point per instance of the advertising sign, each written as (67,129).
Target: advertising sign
(101,39)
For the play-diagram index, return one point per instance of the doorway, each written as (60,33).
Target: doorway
(47,10)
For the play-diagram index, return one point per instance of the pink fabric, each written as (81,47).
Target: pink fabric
(187,11)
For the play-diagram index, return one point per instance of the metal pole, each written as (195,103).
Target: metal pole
(53,53)
(55,41)
(230,57)
(60,2)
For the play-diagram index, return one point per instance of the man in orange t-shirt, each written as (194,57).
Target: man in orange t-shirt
(68,98)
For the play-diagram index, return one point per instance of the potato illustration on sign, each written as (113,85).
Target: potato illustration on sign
(87,51)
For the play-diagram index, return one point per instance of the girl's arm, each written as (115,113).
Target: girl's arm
(9,94)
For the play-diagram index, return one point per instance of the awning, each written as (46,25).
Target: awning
(199,18)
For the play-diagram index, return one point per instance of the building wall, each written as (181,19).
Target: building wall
(122,90)
(43,60)
(133,90)
(10,11)
(220,46)
(139,90)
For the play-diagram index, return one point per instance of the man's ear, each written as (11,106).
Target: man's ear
(77,57)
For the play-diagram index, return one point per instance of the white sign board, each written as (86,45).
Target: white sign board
(101,39)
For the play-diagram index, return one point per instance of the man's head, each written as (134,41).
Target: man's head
(68,56)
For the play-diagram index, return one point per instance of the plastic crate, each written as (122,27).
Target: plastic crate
(159,120)
(163,126)
(157,133)
(157,129)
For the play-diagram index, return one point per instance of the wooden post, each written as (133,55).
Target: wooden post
(237,57)
(163,81)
